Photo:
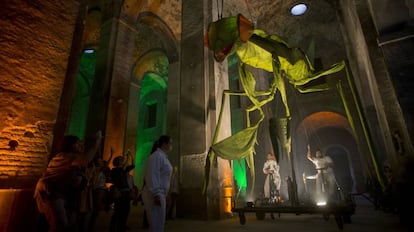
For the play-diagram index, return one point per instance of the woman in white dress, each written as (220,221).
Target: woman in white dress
(157,183)
(272,181)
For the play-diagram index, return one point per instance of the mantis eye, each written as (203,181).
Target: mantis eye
(222,54)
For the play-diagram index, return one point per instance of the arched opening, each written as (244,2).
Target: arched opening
(156,50)
(82,94)
(86,74)
(342,169)
(147,107)
(330,132)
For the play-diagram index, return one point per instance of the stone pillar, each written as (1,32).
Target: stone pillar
(62,120)
(110,92)
(172,111)
(132,122)
(193,110)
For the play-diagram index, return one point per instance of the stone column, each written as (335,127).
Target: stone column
(62,120)
(109,97)
(173,109)
(131,129)
(193,110)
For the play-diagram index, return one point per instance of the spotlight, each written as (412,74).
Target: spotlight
(321,203)
(298,9)
(88,51)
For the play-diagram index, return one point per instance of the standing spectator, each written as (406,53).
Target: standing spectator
(57,189)
(85,203)
(99,192)
(106,169)
(157,183)
(130,166)
(121,195)
(130,178)
(134,192)
(173,194)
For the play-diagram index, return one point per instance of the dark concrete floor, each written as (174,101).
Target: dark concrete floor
(365,219)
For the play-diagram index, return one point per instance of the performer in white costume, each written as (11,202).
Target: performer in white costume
(272,181)
(325,178)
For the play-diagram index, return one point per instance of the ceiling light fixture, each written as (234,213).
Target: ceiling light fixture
(298,9)
(88,51)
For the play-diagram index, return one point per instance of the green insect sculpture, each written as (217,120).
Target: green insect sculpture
(257,49)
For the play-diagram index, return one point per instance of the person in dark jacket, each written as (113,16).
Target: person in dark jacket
(121,195)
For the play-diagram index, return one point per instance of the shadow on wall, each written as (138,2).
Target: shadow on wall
(18,211)
(341,168)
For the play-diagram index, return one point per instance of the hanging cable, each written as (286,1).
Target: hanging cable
(248,11)
(308,127)
(220,12)
(302,116)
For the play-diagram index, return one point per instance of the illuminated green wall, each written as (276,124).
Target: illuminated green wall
(80,103)
(152,119)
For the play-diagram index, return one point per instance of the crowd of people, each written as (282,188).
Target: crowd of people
(58,192)
(78,185)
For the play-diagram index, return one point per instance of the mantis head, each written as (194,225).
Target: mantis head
(222,35)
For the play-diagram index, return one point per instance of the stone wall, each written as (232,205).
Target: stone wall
(35,45)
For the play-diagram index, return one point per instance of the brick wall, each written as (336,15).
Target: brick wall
(35,39)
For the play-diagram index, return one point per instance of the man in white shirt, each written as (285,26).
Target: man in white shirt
(325,178)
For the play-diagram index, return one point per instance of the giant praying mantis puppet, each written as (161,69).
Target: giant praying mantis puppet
(257,49)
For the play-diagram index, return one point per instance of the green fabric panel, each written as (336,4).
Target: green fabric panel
(280,85)
(209,161)
(283,134)
(237,146)
(250,162)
